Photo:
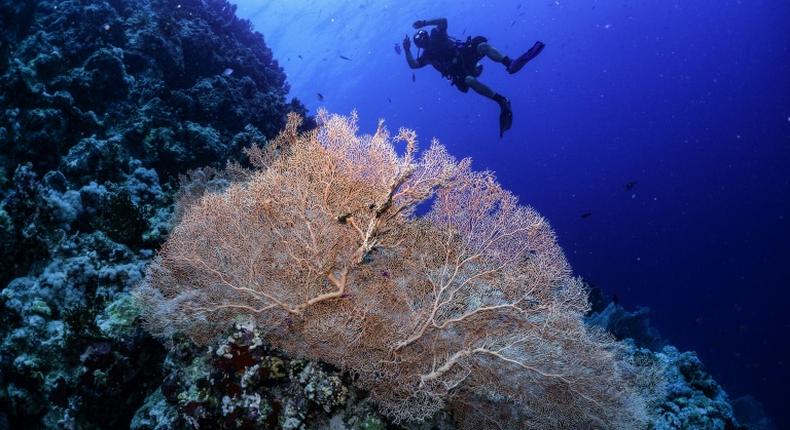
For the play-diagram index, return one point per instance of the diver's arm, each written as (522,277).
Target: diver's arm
(441,23)
(414,64)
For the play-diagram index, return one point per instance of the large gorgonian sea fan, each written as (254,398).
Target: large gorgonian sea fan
(470,306)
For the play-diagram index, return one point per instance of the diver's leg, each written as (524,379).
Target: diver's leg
(511,65)
(505,113)
(479,87)
(489,51)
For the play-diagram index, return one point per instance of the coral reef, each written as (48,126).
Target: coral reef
(242,383)
(470,305)
(62,359)
(693,400)
(102,105)
(95,90)
(216,385)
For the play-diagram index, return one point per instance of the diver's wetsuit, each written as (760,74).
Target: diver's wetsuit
(454,59)
(458,60)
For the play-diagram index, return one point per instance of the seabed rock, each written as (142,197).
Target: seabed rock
(240,382)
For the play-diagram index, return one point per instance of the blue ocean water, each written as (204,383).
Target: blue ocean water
(666,124)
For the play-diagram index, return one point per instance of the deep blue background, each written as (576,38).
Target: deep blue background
(689,99)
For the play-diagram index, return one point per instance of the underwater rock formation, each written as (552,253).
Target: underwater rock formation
(103,103)
(693,400)
(242,383)
(623,324)
(88,87)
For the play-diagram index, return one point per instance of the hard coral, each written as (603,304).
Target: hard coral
(102,103)
(241,382)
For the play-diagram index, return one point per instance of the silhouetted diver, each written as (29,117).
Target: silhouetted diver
(458,60)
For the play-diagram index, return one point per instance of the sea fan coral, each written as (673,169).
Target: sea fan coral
(470,306)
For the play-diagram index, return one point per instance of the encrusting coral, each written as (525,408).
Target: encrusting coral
(103,103)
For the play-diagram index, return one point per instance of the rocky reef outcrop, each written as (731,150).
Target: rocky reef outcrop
(103,104)
(692,398)
(242,383)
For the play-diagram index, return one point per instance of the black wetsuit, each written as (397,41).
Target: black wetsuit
(454,59)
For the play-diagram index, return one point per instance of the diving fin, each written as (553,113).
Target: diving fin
(505,114)
(522,61)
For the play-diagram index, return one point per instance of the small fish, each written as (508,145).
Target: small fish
(300,57)
(345,58)
(320,96)
(413,77)
(586,215)
(227,72)
(513,23)
(397,49)
(630,185)
(389,99)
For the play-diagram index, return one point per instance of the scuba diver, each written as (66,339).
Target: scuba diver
(458,60)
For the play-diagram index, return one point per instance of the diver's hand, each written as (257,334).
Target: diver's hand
(406,43)
(419,23)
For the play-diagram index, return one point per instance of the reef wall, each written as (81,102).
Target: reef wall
(102,105)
